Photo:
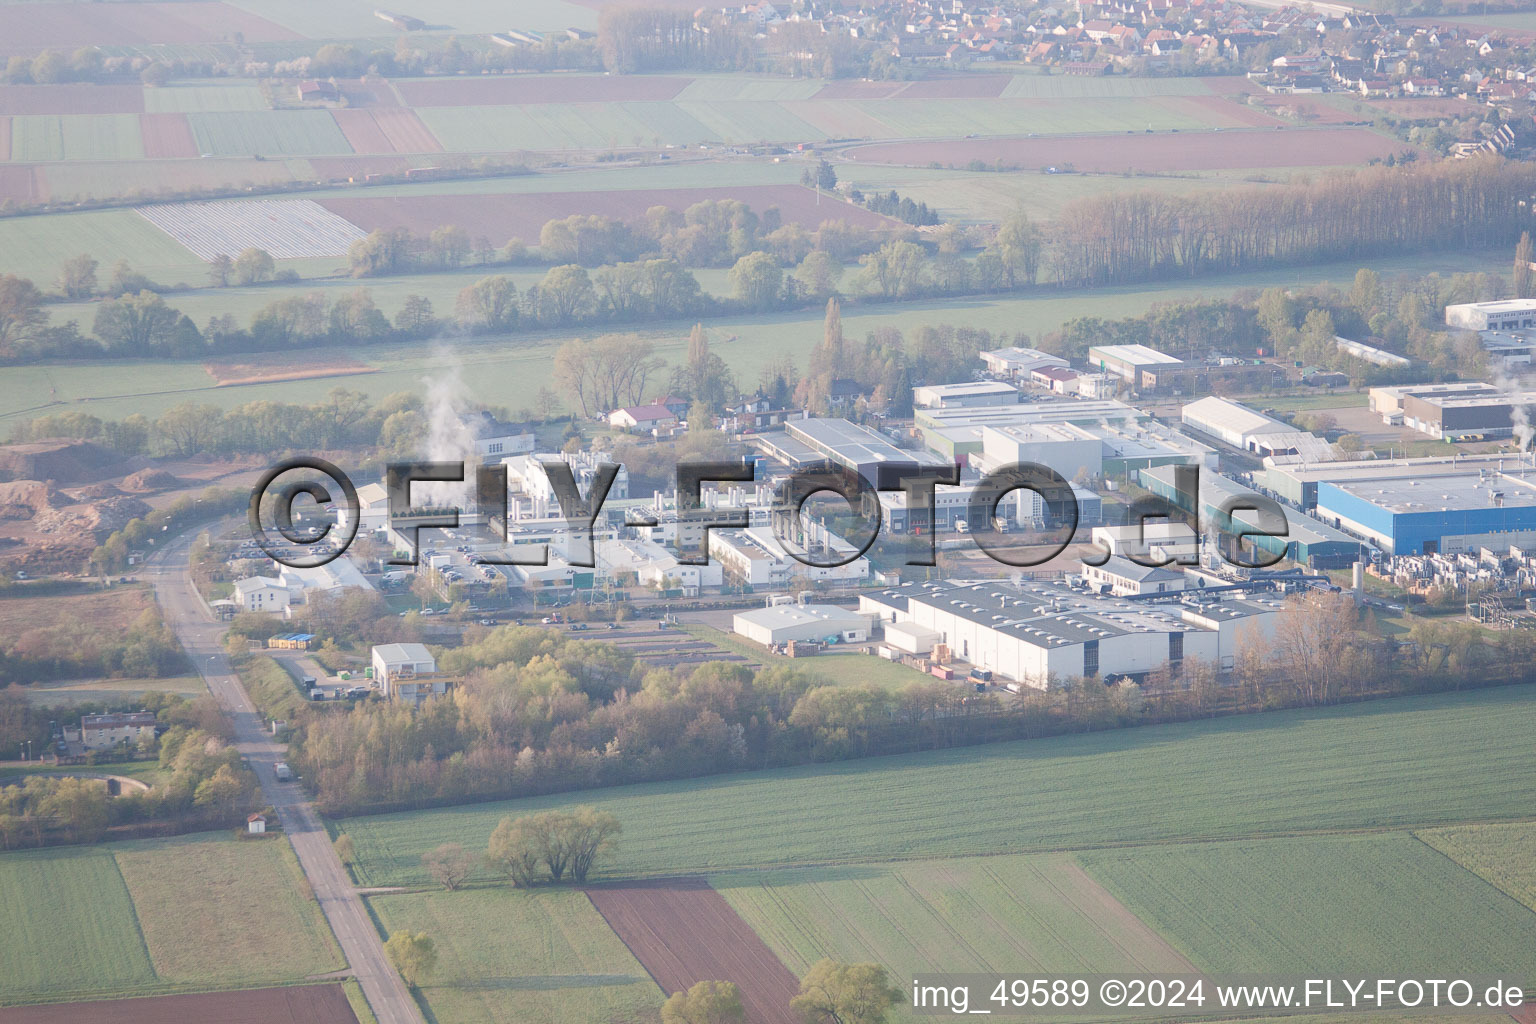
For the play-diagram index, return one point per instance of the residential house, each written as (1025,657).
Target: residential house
(102,732)
(642,419)
(262,594)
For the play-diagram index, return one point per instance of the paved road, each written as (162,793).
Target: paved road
(343,908)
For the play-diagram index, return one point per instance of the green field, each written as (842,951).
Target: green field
(78,691)
(967,915)
(40,138)
(92,180)
(69,927)
(508,956)
(36,248)
(255,927)
(1322,905)
(1504,854)
(735,110)
(196,912)
(839,669)
(354,19)
(1388,764)
(268,133)
(510,371)
(204,97)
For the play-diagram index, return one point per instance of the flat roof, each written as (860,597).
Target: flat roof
(778,616)
(1390,469)
(1443,494)
(1497,306)
(968,388)
(855,444)
(1216,489)
(1136,355)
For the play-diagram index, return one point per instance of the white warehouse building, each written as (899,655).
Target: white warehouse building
(784,623)
(1038,633)
(966,395)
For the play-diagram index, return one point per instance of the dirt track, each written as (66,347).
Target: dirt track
(306,1004)
(684,932)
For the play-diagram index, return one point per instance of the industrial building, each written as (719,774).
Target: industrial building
(1125,578)
(968,395)
(1252,431)
(812,442)
(1231,422)
(756,558)
(1449,513)
(1151,541)
(799,623)
(1387,402)
(1463,417)
(1306,541)
(1297,485)
(407,672)
(1018,363)
(1504,315)
(1370,353)
(1040,633)
(1129,361)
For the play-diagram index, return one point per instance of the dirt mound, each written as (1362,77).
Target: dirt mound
(97,519)
(23,499)
(60,460)
(93,492)
(147,481)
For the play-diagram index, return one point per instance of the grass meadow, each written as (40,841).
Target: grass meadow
(1351,905)
(837,668)
(268,133)
(508,956)
(1503,854)
(1391,764)
(36,248)
(976,915)
(195,912)
(510,371)
(41,138)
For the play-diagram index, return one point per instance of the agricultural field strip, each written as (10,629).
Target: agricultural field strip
(1343,770)
(551,947)
(1321,904)
(1504,855)
(101,921)
(285,228)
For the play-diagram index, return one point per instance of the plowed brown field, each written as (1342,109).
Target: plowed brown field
(684,932)
(500,217)
(306,1004)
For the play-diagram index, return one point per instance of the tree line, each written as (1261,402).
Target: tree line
(203,783)
(538,712)
(1123,238)
(1401,313)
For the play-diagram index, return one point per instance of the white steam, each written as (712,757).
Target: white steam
(1519,413)
(448,439)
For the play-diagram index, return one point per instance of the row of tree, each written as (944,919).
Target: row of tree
(1122,238)
(204,783)
(539,712)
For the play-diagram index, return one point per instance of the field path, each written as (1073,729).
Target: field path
(201,637)
(682,931)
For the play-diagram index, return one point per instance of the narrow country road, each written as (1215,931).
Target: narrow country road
(201,637)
